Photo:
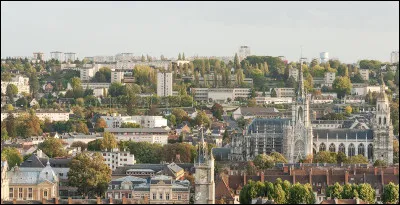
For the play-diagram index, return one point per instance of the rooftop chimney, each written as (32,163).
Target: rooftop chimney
(69,200)
(346,177)
(244,178)
(262,177)
(98,200)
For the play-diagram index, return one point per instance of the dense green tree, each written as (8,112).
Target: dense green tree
(130,125)
(390,193)
(186,152)
(334,191)
(81,127)
(236,62)
(100,125)
(342,86)
(202,119)
(4,134)
(11,125)
(89,174)
(366,193)
(11,91)
(52,147)
(179,114)
(12,155)
(108,142)
(94,145)
(300,194)
(34,84)
(273,93)
(145,152)
(358,159)
(217,111)
(80,144)
(103,75)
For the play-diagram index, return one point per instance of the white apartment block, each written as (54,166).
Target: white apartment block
(89,70)
(129,65)
(394,57)
(363,89)
(22,84)
(364,74)
(144,121)
(164,84)
(285,92)
(117,76)
(329,77)
(220,94)
(295,73)
(42,115)
(95,85)
(151,135)
(117,158)
(273,100)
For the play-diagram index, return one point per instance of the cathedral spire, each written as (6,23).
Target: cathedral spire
(300,93)
(202,148)
(382,84)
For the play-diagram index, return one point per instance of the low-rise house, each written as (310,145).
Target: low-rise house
(353,99)
(344,201)
(321,99)
(182,128)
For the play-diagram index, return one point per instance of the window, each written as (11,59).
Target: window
(322,147)
(342,148)
(332,148)
(352,150)
(161,196)
(361,149)
(179,197)
(30,193)
(167,196)
(20,193)
(45,193)
(11,193)
(370,151)
(61,174)
(154,196)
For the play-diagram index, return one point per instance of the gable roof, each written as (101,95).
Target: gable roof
(250,111)
(33,161)
(222,190)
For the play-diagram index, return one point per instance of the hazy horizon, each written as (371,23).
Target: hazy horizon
(349,31)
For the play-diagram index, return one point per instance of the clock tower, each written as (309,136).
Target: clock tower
(204,176)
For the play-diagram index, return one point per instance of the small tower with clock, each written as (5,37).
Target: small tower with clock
(204,176)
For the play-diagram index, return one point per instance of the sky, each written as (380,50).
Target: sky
(349,31)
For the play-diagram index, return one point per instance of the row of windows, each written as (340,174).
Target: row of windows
(351,149)
(20,193)
(166,196)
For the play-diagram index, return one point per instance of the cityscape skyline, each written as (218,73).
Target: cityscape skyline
(185,26)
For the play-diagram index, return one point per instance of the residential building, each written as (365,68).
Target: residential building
(353,99)
(329,77)
(364,74)
(160,189)
(33,183)
(294,73)
(273,100)
(21,82)
(71,138)
(220,94)
(144,121)
(321,99)
(344,201)
(151,135)
(394,57)
(285,92)
(208,79)
(363,89)
(95,85)
(42,115)
(117,76)
(164,84)
(116,158)
(174,170)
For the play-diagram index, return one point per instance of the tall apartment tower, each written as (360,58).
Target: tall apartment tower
(38,56)
(204,176)
(394,57)
(57,55)
(164,84)
(244,51)
(69,57)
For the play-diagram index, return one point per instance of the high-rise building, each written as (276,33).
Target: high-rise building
(244,51)
(57,55)
(38,56)
(394,57)
(69,57)
(164,84)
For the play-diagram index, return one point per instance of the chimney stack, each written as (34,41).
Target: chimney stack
(395,171)
(262,177)
(310,176)
(44,200)
(346,177)
(124,200)
(375,171)
(244,178)
(69,200)
(111,200)
(98,200)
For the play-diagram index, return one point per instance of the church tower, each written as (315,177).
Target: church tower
(383,128)
(204,176)
(299,134)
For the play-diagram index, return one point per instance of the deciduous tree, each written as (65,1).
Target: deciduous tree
(52,147)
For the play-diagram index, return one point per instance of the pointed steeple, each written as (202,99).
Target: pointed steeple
(382,93)
(202,148)
(300,93)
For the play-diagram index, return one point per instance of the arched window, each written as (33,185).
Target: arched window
(361,149)
(380,120)
(352,150)
(370,151)
(322,147)
(384,120)
(342,148)
(332,148)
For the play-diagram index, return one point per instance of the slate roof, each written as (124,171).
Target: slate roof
(221,154)
(33,161)
(250,111)
(341,134)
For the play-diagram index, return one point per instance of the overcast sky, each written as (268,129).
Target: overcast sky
(349,31)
